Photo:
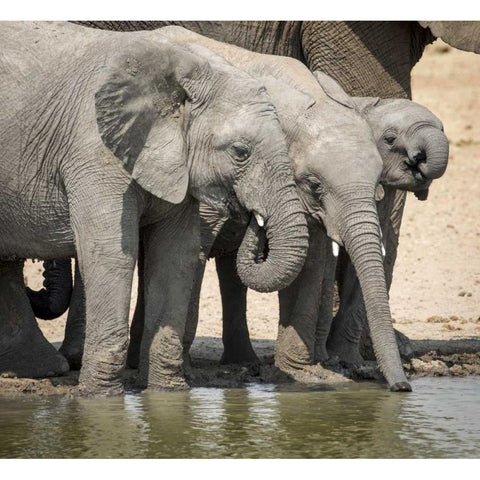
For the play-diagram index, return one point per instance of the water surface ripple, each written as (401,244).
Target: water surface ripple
(440,419)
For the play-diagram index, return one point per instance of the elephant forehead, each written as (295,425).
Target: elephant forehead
(403,113)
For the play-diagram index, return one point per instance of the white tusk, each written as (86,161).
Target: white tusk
(259,219)
(381,243)
(335,248)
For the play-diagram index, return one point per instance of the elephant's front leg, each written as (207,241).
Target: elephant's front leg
(24,351)
(299,308)
(235,336)
(325,314)
(171,250)
(136,328)
(73,342)
(105,225)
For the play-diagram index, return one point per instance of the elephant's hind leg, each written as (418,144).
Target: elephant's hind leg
(236,338)
(24,351)
(72,346)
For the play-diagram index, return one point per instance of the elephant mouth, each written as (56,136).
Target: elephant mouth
(418,175)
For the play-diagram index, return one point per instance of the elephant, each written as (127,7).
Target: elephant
(120,132)
(337,168)
(368,59)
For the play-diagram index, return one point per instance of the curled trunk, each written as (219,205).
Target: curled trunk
(53,300)
(287,237)
(360,232)
(433,144)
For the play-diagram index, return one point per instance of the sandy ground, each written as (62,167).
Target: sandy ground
(435,296)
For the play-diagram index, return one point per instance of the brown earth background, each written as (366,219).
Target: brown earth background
(435,294)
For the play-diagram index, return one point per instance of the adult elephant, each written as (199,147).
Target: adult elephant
(367,59)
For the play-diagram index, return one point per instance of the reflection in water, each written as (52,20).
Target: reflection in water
(439,419)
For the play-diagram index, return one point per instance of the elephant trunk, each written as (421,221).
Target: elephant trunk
(360,231)
(53,300)
(287,237)
(430,154)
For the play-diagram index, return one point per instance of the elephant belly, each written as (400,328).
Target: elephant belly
(37,227)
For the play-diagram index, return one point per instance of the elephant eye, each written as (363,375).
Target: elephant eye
(240,151)
(389,139)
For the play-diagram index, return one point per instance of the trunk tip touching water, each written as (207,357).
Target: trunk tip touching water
(401,387)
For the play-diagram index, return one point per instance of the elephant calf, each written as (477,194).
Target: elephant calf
(339,165)
(103,133)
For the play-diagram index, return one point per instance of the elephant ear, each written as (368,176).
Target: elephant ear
(333,89)
(140,108)
(462,35)
(363,104)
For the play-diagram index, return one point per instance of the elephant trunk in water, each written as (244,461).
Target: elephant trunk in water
(430,154)
(360,231)
(53,300)
(286,232)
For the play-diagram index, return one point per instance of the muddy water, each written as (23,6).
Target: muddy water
(441,418)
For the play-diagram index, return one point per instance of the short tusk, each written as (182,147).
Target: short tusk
(335,248)
(259,219)
(381,243)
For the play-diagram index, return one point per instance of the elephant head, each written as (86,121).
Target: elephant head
(183,120)
(410,140)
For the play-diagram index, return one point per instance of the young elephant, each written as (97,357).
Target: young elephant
(415,151)
(104,132)
(337,169)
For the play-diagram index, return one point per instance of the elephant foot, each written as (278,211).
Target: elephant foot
(73,353)
(169,382)
(30,355)
(315,375)
(346,351)
(321,354)
(239,354)
(88,389)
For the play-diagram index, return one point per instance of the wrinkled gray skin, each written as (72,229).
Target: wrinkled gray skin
(333,155)
(367,59)
(337,169)
(410,137)
(103,133)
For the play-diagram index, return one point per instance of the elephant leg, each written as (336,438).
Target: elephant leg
(171,252)
(24,351)
(325,315)
(346,339)
(235,336)
(106,241)
(136,328)
(73,343)
(299,308)
(193,310)
(348,324)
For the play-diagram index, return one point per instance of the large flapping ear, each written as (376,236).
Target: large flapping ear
(333,89)
(139,115)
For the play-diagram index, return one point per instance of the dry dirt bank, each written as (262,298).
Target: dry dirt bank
(435,296)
